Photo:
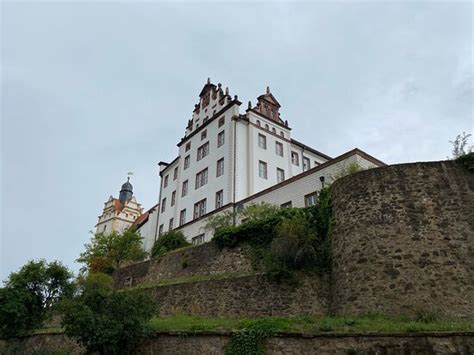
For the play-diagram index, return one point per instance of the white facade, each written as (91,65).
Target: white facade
(117,216)
(257,151)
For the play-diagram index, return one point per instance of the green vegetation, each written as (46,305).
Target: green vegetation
(30,295)
(107,252)
(308,324)
(168,241)
(460,145)
(105,320)
(467,160)
(284,240)
(347,170)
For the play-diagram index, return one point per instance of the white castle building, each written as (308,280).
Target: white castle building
(228,159)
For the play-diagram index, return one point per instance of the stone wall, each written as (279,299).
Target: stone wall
(246,296)
(322,344)
(205,259)
(404,240)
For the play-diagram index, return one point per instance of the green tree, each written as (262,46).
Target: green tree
(255,212)
(168,241)
(105,320)
(460,145)
(31,294)
(106,252)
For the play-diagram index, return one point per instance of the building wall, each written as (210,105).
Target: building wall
(404,240)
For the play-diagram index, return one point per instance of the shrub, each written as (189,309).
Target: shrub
(249,340)
(467,160)
(105,320)
(168,241)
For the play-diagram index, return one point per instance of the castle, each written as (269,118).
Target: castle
(227,160)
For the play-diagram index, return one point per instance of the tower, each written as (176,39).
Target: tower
(119,214)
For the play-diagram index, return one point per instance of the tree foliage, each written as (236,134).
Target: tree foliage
(347,170)
(105,320)
(106,252)
(460,145)
(30,294)
(168,241)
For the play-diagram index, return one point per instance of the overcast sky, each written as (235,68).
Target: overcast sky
(93,90)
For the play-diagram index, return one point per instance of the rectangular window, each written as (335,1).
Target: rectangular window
(306,164)
(201,178)
(262,141)
(188,146)
(171,224)
(163,205)
(199,208)
(202,151)
(198,239)
(286,205)
(175,173)
(165,183)
(295,159)
(173,198)
(221,121)
(182,217)
(262,169)
(279,149)
(160,231)
(219,198)
(187,160)
(310,199)
(280,175)
(220,167)
(184,189)
(204,134)
(220,139)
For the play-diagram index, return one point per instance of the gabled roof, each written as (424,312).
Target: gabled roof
(268,97)
(142,219)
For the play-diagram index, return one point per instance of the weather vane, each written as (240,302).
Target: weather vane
(130,173)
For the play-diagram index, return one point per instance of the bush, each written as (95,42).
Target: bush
(168,241)
(105,320)
(467,160)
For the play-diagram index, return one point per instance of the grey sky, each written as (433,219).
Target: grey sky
(91,91)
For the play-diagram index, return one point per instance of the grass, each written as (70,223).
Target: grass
(306,324)
(195,278)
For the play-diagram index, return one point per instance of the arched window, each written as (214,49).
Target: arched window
(266,127)
(282,134)
(274,130)
(258,123)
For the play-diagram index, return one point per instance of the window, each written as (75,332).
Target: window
(279,149)
(203,150)
(173,198)
(171,224)
(160,231)
(280,175)
(175,173)
(295,159)
(286,205)
(204,134)
(258,123)
(187,160)
(184,189)
(182,217)
(220,139)
(221,121)
(199,208)
(306,164)
(163,205)
(165,183)
(274,130)
(220,167)
(262,169)
(266,127)
(310,199)
(105,227)
(201,178)
(282,134)
(219,198)
(262,141)
(188,146)
(198,239)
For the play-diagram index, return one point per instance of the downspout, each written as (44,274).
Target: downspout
(234,178)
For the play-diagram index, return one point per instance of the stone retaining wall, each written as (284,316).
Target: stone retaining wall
(321,344)
(404,240)
(245,296)
(205,259)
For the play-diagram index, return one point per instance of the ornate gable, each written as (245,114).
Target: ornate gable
(268,106)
